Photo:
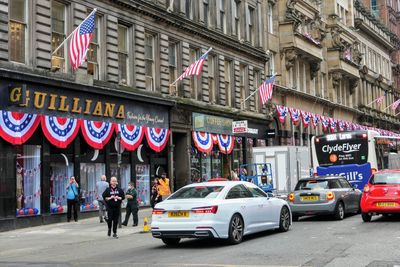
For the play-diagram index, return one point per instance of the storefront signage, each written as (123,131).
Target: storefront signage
(239,127)
(211,124)
(62,102)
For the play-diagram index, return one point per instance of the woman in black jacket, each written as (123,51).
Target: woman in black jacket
(113,196)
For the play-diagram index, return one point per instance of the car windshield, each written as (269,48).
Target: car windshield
(386,178)
(197,192)
(312,185)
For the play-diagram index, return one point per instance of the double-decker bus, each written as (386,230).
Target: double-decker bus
(354,155)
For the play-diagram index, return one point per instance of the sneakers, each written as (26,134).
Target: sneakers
(115,236)
(134,225)
(101,221)
(109,232)
(124,224)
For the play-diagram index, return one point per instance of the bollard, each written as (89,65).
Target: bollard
(146,227)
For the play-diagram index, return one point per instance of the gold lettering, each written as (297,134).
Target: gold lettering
(121,112)
(88,104)
(98,109)
(75,106)
(109,110)
(15,94)
(62,106)
(39,99)
(26,99)
(52,104)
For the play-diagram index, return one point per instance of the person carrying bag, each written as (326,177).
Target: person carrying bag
(72,199)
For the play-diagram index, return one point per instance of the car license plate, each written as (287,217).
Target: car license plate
(386,204)
(178,214)
(309,198)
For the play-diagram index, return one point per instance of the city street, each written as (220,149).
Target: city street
(313,241)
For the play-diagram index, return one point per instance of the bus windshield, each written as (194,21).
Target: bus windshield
(341,148)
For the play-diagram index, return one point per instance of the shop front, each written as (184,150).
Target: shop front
(216,151)
(49,133)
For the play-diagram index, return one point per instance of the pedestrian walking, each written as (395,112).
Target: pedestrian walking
(101,186)
(113,196)
(132,205)
(155,195)
(72,199)
(164,189)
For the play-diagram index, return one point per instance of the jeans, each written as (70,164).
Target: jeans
(102,209)
(134,210)
(72,205)
(113,217)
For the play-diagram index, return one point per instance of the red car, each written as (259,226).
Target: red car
(381,195)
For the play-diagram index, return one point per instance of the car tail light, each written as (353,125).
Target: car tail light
(202,210)
(366,189)
(291,197)
(158,211)
(330,196)
(315,174)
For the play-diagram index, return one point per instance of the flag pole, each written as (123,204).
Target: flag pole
(388,106)
(373,102)
(397,114)
(253,93)
(189,65)
(69,36)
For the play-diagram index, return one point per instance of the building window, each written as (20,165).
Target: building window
(17,30)
(229,94)
(123,59)
(149,53)
(271,64)
(250,25)
(89,174)
(194,80)
(189,9)
(243,87)
(57,36)
(236,20)
(28,192)
(172,5)
(206,11)
(270,18)
(222,16)
(212,86)
(172,62)
(93,54)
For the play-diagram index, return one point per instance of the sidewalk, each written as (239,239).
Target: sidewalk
(28,240)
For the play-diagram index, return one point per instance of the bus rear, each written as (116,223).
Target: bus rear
(349,154)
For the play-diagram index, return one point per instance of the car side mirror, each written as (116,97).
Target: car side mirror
(269,194)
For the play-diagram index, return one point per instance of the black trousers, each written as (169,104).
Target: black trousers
(113,217)
(134,210)
(72,205)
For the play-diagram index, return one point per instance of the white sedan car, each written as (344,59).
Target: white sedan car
(221,209)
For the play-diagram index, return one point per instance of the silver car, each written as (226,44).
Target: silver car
(324,195)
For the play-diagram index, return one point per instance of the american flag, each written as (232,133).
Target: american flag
(80,41)
(395,104)
(195,68)
(380,99)
(266,89)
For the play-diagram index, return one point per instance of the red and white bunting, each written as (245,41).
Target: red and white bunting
(96,133)
(306,118)
(226,143)
(214,138)
(16,128)
(325,123)
(282,112)
(333,124)
(131,135)
(341,125)
(60,131)
(295,115)
(316,120)
(157,138)
(203,141)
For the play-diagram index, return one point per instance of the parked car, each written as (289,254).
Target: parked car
(324,195)
(381,195)
(218,209)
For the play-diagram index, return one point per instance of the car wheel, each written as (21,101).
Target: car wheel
(284,221)
(339,211)
(366,217)
(171,241)
(236,228)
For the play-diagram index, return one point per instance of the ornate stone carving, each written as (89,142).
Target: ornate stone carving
(318,30)
(357,55)
(292,14)
(337,41)
(353,85)
(336,77)
(314,68)
(290,58)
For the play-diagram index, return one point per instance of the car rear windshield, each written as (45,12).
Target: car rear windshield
(312,185)
(386,178)
(197,192)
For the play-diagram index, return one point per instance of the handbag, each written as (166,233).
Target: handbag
(77,197)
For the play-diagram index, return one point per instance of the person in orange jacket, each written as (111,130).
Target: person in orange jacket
(163,187)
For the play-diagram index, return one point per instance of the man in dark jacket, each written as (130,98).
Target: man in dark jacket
(132,205)
(113,196)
